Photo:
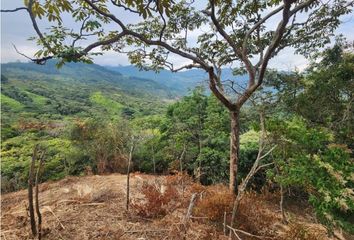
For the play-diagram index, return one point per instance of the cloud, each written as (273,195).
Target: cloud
(112,58)
(287,60)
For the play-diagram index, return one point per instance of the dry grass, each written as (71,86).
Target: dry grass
(304,231)
(93,207)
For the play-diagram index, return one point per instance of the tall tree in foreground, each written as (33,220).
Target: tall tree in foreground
(246,34)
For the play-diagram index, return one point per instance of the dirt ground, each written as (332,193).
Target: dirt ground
(93,207)
(90,207)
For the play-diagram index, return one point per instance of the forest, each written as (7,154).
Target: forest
(210,152)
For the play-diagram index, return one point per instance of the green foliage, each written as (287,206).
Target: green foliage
(11,103)
(215,157)
(329,88)
(323,95)
(168,21)
(309,118)
(110,106)
(16,156)
(195,130)
(104,143)
(307,157)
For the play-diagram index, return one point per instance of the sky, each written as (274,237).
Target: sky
(16,29)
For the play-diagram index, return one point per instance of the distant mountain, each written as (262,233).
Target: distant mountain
(87,74)
(180,82)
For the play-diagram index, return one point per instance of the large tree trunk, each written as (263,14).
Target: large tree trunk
(234,149)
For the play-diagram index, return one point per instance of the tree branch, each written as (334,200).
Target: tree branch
(39,61)
(188,66)
(278,35)
(257,25)
(103,42)
(13,10)
(196,60)
(146,40)
(124,7)
(243,57)
(217,92)
(36,28)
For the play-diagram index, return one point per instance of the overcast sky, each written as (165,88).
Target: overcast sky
(16,29)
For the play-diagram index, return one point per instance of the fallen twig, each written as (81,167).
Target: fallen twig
(50,210)
(92,204)
(199,217)
(224,223)
(247,233)
(234,231)
(68,200)
(142,231)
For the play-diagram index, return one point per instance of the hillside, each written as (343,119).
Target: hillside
(182,82)
(86,74)
(43,104)
(81,90)
(93,207)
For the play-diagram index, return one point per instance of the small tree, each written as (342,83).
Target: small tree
(234,32)
(33,181)
(185,120)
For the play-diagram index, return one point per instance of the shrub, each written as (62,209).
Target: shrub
(308,159)
(214,203)
(159,199)
(256,215)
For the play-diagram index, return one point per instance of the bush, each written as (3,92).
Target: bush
(159,199)
(309,160)
(255,214)
(215,201)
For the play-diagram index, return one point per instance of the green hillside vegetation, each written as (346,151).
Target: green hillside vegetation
(11,103)
(41,104)
(109,105)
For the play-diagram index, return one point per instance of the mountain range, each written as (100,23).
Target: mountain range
(180,82)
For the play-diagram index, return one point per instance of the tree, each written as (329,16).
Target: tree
(329,88)
(185,121)
(323,93)
(236,32)
(105,143)
(147,151)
